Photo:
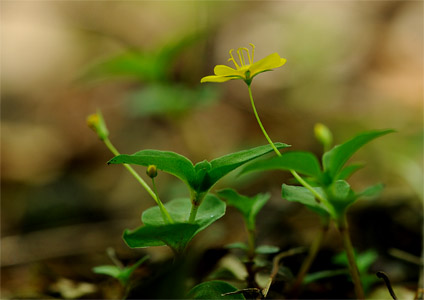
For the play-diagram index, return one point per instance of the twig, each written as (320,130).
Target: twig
(275,266)
(386,279)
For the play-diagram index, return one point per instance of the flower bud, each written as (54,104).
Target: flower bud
(98,125)
(152,171)
(323,135)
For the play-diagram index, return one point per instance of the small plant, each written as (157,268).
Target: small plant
(323,189)
(119,272)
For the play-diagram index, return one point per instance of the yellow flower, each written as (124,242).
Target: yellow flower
(245,69)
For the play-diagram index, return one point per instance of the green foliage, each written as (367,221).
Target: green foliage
(152,66)
(304,196)
(213,290)
(211,210)
(200,177)
(123,274)
(335,159)
(159,99)
(364,261)
(335,192)
(303,162)
(155,232)
(249,207)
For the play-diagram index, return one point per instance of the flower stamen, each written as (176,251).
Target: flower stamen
(233,60)
(240,57)
(248,55)
(253,50)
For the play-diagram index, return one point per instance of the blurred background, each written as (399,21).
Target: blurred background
(352,65)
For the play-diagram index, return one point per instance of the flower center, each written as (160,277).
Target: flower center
(240,53)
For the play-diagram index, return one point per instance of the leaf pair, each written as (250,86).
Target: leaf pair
(200,177)
(123,274)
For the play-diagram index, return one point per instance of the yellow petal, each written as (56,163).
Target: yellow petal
(272,61)
(214,78)
(223,70)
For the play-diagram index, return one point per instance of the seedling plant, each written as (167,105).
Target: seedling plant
(321,187)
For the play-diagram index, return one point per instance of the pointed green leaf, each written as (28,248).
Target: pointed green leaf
(346,172)
(304,196)
(213,290)
(175,235)
(109,270)
(225,164)
(166,161)
(211,210)
(303,162)
(248,206)
(127,271)
(371,191)
(335,159)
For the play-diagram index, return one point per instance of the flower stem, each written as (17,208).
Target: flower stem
(130,169)
(294,173)
(260,123)
(353,268)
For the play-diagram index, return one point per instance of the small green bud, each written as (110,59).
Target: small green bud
(97,123)
(152,171)
(323,135)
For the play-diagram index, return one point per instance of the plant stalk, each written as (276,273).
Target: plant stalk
(294,173)
(130,169)
(353,268)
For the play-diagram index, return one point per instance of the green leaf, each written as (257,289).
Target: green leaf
(203,175)
(175,235)
(213,290)
(346,172)
(267,249)
(122,274)
(223,165)
(335,159)
(248,206)
(304,196)
(109,270)
(371,191)
(303,162)
(238,245)
(211,210)
(166,161)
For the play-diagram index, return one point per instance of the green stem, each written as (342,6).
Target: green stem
(193,213)
(165,215)
(353,268)
(260,123)
(112,149)
(251,244)
(294,173)
(313,251)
